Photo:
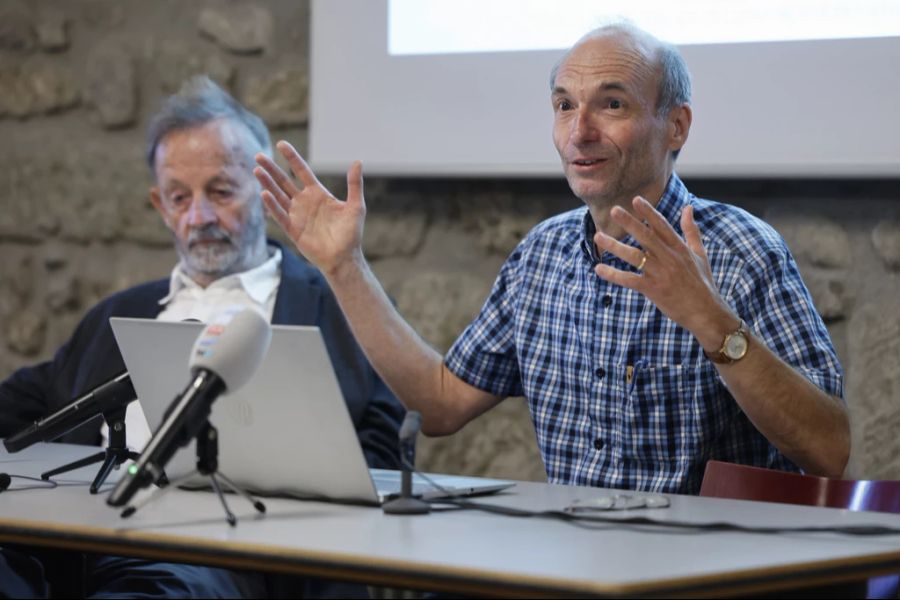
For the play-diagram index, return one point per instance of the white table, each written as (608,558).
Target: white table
(458,551)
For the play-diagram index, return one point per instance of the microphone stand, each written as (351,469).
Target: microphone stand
(112,457)
(207,465)
(406,503)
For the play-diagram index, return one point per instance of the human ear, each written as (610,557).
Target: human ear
(156,201)
(679,122)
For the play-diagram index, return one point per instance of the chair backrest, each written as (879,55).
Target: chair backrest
(727,480)
(740,482)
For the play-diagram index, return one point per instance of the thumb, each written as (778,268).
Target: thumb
(355,186)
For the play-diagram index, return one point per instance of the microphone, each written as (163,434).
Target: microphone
(406,504)
(412,422)
(113,393)
(224,358)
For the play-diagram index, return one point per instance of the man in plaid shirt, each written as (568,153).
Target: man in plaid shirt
(650,331)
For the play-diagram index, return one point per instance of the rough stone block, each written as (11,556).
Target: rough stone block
(25,332)
(92,196)
(16,97)
(176,61)
(56,256)
(280,98)
(52,30)
(239,28)
(105,16)
(879,445)
(53,87)
(829,294)
(23,218)
(503,220)
(76,197)
(873,387)
(500,443)
(17,31)
(395,227)
(16,279)
(141,223)
(36,86)
(886,239)
(112,83)
(440,305)
(63,292)
(813,239)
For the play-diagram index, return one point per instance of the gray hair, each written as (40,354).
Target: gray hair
(674,80)
(200,101)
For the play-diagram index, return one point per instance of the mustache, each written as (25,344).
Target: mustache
(210,233)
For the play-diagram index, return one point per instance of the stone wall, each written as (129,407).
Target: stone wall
(79,79)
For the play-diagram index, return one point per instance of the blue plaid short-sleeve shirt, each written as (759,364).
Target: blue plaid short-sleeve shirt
(620,395)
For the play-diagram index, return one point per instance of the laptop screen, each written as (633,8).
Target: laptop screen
(288,431)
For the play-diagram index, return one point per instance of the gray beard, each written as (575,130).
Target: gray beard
(212,259)
(223,258)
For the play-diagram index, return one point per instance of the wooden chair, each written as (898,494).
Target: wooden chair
(740,482)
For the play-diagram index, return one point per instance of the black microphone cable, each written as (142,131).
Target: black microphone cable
(586,518)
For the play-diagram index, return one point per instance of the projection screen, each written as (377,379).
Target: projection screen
(478,104)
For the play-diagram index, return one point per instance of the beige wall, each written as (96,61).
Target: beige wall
(79,79)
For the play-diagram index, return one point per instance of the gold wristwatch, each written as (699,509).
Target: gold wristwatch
(734,347)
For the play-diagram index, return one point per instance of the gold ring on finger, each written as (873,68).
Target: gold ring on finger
(640,266)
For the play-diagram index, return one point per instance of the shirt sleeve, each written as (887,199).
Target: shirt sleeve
(772,297)
(484,356)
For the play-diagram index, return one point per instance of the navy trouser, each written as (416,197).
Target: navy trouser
(27,572)
(37,573)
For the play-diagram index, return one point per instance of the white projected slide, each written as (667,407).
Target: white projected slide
(445,26)
(787,88)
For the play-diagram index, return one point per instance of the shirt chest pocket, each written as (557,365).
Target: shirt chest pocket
(674,413)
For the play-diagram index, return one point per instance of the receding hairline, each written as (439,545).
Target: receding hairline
(647,44)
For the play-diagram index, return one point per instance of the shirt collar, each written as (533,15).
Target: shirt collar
(258,282)
(587,241)
(673,199)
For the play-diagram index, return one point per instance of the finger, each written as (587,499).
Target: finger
(298,165)
(629,254)
(278,194)
(692,232)
(355,186)
(276,175)
(278,214)
(639,230)
(656,221)
(619,277)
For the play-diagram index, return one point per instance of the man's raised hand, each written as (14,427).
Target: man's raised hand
(326,230)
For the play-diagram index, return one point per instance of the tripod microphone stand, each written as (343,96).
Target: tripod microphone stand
(112,457)
(207,465)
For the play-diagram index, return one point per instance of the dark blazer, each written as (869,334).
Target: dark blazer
(91,356)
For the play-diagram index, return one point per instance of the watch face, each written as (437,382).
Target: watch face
(736,346)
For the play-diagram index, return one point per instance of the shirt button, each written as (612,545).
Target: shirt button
(598,444)
(607,300)
(600,372)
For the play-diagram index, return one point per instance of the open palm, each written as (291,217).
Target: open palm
(326,230)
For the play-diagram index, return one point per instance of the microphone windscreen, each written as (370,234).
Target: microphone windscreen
(232,346)
(5,480)
(410,427)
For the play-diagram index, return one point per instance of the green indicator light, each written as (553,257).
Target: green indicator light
(132,470)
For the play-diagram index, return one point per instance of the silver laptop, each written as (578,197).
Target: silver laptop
(287,432)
